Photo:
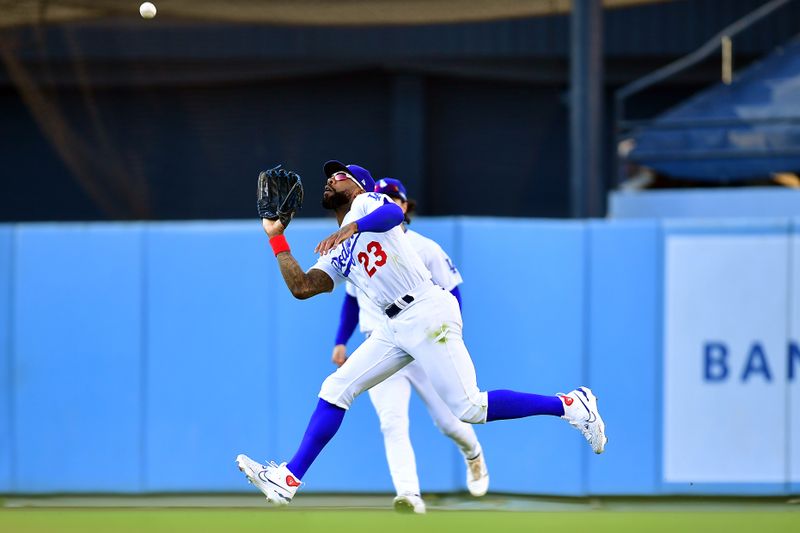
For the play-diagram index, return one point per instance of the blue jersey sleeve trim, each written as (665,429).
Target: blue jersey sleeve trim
(457,293)
(381,219)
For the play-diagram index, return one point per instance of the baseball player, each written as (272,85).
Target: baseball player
(422,324)
(391,397)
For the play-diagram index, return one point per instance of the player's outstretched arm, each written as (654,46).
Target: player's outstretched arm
(303,285)
(335,239)
(380,220)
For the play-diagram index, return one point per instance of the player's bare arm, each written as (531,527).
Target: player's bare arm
(339,355)
(303,285)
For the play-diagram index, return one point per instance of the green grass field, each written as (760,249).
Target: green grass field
(374,521)
(354,513)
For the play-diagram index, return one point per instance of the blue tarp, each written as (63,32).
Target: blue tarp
(748,129)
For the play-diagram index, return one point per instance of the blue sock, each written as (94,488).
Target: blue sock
(324,423)
(507,404)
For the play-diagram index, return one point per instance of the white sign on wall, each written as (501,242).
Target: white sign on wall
(727,355)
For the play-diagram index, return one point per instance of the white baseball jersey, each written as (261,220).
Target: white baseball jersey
(361,258)
(443,271)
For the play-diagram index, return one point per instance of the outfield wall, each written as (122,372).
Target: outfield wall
(144,357)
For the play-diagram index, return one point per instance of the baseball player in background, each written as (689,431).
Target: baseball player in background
(391,397)
(422,324)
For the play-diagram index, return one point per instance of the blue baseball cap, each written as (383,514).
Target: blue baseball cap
(361,174)
(391,187)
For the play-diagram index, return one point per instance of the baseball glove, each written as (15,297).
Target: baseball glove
(280,194)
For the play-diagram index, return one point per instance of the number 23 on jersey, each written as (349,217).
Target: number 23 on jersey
(373,260)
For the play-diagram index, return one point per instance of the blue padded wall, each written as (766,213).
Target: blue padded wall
(210,338)
(139,349)
(77,341)
(6,390)
(524,328)
(624,353)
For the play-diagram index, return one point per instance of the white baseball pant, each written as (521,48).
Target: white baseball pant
(428,331)
(391,398)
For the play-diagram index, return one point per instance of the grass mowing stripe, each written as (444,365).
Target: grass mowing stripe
(270,521)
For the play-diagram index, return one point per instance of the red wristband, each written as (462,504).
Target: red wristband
(279,244)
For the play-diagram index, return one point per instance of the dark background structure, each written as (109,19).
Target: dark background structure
(127,119)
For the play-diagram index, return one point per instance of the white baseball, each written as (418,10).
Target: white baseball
(147,10)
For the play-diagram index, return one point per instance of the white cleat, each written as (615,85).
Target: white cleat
(275,481)
(409,503)
(477,475)
(580,410)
